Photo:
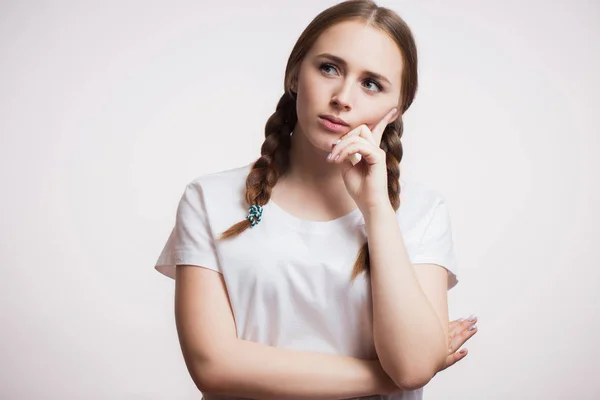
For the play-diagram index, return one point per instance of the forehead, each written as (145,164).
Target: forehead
(363,47)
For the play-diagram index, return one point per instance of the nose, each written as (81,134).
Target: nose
(342,98)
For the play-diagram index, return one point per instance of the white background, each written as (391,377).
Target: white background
(108,109)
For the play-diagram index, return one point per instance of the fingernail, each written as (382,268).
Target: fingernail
(471,318)
(337,142)
(329,156)
(462,351)
(337,157)
(473,327)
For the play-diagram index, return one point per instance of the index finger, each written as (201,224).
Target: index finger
(380,127)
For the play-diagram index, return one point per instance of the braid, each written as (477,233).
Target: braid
(390,142)
(274,160)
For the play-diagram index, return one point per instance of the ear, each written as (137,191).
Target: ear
(394,118)
(294,85)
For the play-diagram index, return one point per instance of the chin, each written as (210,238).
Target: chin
(320,139)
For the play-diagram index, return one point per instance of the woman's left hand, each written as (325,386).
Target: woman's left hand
(366,181)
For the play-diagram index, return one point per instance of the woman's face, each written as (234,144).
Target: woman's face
(353,73)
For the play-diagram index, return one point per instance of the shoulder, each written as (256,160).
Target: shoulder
(221,196)
(419,195)
(419,202)
(219,186)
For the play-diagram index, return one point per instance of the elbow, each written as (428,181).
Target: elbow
(211,370)
(420,377)
(203,377)
(413,381)
(413,374)
(208,376)
(413,378)
(422,372)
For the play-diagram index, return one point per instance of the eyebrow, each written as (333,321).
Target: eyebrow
(344,64)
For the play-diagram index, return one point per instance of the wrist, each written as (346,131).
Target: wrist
(379,209)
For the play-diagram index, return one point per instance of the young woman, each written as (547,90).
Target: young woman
(316,272)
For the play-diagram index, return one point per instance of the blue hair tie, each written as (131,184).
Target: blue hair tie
(254,215)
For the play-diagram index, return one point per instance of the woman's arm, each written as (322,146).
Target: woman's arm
(409,309)
(219,363)
(248,369)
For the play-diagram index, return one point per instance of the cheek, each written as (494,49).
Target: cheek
(378,109)
(371,113)
(309,89)
(310,95)
(301,102)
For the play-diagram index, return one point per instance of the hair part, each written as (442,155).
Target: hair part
(274,159)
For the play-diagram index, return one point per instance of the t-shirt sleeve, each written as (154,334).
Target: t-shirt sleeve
(437,246)
(191,240)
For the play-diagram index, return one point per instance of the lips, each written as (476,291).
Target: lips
(331,126)
(335,120)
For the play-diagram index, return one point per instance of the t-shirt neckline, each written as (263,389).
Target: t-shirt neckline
(273,210)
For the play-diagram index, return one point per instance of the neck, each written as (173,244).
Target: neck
(312,173)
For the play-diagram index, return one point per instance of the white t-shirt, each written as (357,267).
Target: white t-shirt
(288,279)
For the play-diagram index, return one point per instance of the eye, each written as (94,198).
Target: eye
(375,83)
(326,66)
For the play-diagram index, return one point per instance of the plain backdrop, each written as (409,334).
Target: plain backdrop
(109,108)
